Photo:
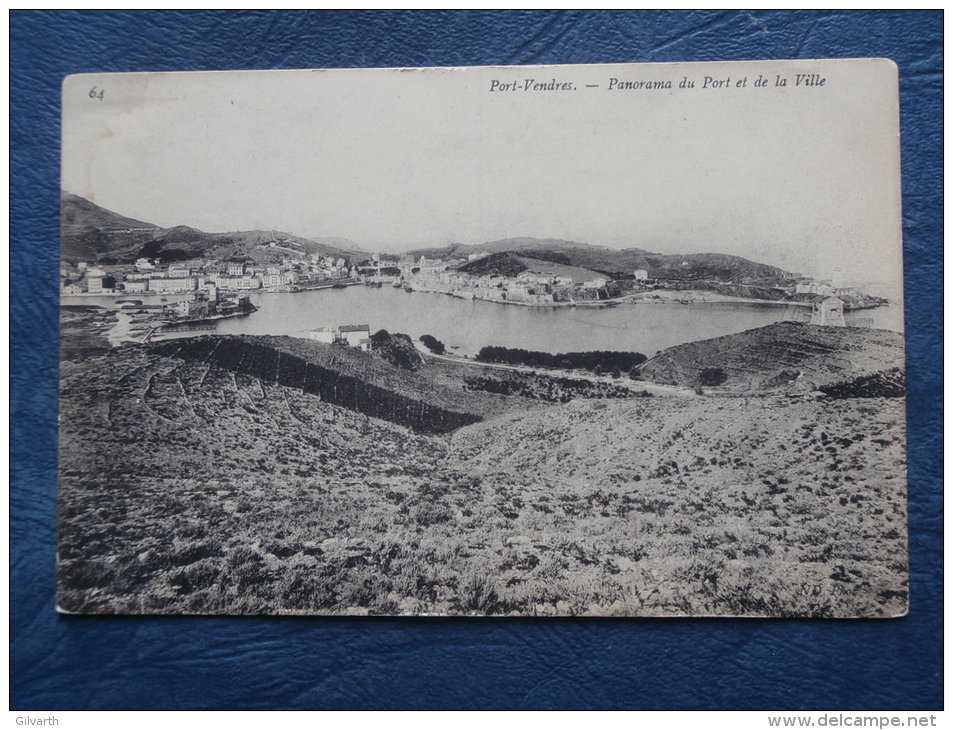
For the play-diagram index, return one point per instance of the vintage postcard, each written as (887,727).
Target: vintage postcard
(607,340)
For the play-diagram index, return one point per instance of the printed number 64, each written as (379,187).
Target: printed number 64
(95,93)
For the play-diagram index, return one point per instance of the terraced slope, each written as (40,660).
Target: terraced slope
(791,355)
(341,376)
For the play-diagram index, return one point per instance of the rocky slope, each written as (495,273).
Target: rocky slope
(789,355)
(274,475)
(341,376)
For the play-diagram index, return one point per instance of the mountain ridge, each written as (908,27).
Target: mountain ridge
(89,232)
(624,262)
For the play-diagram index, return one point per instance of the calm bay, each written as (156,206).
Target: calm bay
(468,325)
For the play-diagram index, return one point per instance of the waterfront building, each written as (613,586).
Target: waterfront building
(829,313)
(192,308)
(172,285)
(136,285)
(354,333)
(823,288)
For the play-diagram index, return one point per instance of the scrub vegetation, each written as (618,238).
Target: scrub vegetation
(244,475)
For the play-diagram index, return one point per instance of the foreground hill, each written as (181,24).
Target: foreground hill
(791,355)
(92,233)
(187,486)
(273,475)
(342,376)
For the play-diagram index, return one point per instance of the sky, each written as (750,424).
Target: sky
(805,177)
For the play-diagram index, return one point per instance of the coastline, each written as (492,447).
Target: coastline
(687,297)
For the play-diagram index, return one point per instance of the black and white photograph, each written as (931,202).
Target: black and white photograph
(593,340)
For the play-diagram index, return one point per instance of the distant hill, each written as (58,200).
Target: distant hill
(504,263)
(612,262)
(508,263)
(93,233)
(88,232)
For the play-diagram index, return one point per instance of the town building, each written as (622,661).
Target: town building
(172,285)
(136,285)
(100,284)
(192,308)
(823,288)
(641,274)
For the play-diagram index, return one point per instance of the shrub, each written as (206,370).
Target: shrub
(712,376)
(604,359)
(433,344)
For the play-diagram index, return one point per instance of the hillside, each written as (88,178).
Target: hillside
(504,263)
(682,267)
(344,377)
(92,233)
(508,263)
(792,355)
(212,480)
(88,231)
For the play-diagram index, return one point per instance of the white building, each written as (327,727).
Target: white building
(594,284)
(354,333)
(823,288)
(324,334)
(167,285)
(829,313)
(641,274)
(136,285)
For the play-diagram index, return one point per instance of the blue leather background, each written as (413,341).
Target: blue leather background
(237,663)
